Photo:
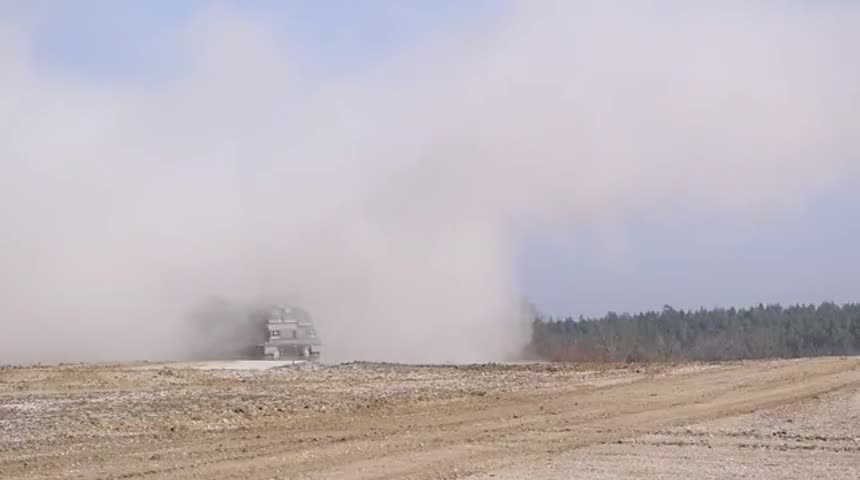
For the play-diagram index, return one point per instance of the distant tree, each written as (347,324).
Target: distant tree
(762,331)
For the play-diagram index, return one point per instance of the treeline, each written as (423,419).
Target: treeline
(765,331)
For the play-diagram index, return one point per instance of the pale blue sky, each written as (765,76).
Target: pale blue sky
(102,37)
(808,256)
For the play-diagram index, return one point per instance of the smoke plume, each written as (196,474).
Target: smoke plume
(388,199)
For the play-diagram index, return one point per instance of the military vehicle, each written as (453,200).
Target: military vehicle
(290,334)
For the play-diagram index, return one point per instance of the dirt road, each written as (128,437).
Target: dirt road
(774,419)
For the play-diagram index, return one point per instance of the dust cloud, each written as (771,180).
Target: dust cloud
(388,199)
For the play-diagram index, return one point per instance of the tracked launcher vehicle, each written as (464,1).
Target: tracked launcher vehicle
(290,334)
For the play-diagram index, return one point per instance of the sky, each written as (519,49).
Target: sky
(115,39)
(426,159)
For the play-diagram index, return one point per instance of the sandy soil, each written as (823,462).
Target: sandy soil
(770,419)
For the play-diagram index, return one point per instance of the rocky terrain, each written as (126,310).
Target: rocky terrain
(762,419)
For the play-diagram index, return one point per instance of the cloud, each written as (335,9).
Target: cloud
(387,198)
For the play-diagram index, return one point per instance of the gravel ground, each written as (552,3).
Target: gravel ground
(779,419)
(815,438)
